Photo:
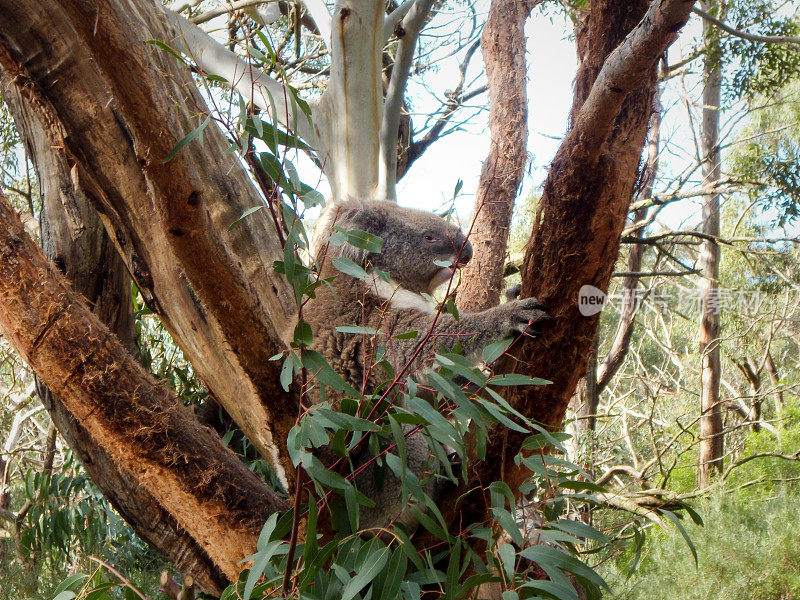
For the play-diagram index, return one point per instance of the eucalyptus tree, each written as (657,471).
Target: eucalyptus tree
(109,116)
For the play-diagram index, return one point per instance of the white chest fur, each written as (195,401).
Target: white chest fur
(400,298)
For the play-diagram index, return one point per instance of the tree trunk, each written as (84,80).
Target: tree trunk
(149,435)
(73,237)
(577,229)
(503,45)
(576,233)
(711,438)
(127,105)
(630,302)
(586,399)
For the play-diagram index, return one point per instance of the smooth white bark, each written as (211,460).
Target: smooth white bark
(393,18)
(349,117)
(322,18)
(387,166)
(252,83)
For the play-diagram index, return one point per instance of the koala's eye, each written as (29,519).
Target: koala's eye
(429,238)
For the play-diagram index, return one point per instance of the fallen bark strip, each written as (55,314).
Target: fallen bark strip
(142,426)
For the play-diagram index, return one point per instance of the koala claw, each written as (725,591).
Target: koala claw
(530,317)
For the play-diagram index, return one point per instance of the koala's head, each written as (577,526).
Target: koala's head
(412,241)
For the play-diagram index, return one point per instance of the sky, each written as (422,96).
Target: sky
(552,64)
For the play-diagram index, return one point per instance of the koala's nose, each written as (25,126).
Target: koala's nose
(462,244)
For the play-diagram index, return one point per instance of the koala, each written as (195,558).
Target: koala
(420,252)
(414,242)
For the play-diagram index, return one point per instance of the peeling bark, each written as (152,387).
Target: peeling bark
(503,46)
(74,239)
(214,289)
(148,434)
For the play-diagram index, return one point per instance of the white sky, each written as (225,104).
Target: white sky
(551,69)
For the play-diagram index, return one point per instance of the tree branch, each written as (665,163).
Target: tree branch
(394,17)
(136,419)
(252,83)
(223,10)
(390,124)
(752,37)
(322,17)
(623,70)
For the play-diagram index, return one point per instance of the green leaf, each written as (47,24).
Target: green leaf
(671,516)
(461,366)
(266,531)
(494,351)
(507,555)
(390,588)
(450,308)
(447,434)
(581,530)
(550,589)
(453,571)
(311,197)
(166,48)
(319,368)
(245,214)
(355,329)
(548,557)
(192,135)
(262,557)
(72,583)
(302,334)
(360,239)
(639,540)
(287,371)
(65,596)
(517,379)
(408,335)
(368,571)
(272,166)
(348,267)
(100,592)
(317,471)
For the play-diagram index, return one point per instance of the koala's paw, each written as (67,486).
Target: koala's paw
(528,316)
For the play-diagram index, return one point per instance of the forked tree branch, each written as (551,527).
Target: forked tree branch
(390,124)
(394,17)
(624,70)
(138,421)
(252,83)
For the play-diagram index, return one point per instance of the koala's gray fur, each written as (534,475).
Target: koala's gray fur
(412,241)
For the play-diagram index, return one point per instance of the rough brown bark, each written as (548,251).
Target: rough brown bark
(630,302)
(150,436)
(74,239)
(586,399)
(712,442)
(576,234)
(503,46)
(126,106)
